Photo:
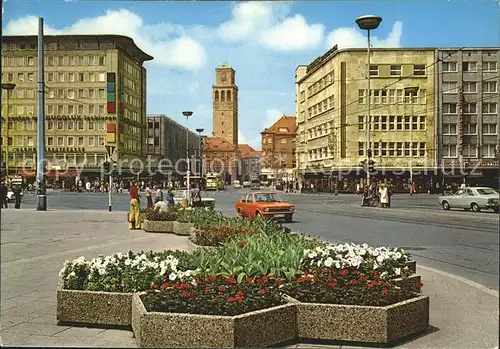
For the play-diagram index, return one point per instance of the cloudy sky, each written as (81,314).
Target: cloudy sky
(263,41)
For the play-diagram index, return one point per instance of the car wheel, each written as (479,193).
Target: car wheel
(475,207)
(496,209)
(446,205)
(289,218)
(240,213)
(258,214)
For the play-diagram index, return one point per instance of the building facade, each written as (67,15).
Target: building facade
(225,104)
(250,163)
(95,89)
(279,149)
(167,141)
(332,110)
(468,115)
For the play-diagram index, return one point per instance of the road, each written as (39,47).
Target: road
(462,243)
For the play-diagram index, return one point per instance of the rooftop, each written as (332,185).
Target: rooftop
(287,122)
(218,144)
(247,151)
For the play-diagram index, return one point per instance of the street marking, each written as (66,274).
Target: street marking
(464,280)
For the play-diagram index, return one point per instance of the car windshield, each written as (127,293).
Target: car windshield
(486,191)
(267,197)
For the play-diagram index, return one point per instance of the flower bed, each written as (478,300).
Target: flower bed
(222,311)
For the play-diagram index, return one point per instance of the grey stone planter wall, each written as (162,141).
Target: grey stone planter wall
(182,228)
(171,330)
(158,226)
(94,308)
(362,323)
(410,283)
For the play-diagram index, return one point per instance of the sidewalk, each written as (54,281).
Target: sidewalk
(35,244)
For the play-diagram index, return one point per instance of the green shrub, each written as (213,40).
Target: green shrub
(215,236)
(156,215)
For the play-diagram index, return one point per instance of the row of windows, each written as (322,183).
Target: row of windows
(323,106)
(468,151)
(322,83)
(223,95)
(394,122)
(397,70)
(470,129)
(394,148)
(469,108)
(319,153)
(55,61)
(55,160)
(392,96)
(470,66)
(61,109)
(320,130)
(132,69)
(25,77)
(469,87)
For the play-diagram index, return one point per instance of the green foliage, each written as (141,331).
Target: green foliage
(157,215)
(216,236)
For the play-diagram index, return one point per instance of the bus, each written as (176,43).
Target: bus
(214,181)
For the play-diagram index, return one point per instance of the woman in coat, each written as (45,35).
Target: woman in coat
(384,195)
(134,214)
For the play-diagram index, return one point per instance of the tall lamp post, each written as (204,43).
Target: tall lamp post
(368,22)
(412,92)
(200,130)
(187,114)
(7,87)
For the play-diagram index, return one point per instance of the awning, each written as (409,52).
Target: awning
(50,173)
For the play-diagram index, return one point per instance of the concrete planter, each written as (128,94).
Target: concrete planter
(182,228)
(158,226)
(367,324)
(260,328)
(411,283)
(94,308)
(413,266)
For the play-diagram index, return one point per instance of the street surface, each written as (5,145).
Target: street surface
(461,243)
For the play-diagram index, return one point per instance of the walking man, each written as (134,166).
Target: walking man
(4,191)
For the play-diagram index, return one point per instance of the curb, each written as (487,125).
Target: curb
(464,280)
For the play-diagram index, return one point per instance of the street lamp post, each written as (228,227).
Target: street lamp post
(187,114)
(368,22)
(200,130)
(412,92)
(7,87)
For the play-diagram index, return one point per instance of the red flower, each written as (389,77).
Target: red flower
(353,282)
(330,279)
(153,286)
(278,282)
(262,292)
(239,299)
(344,272)
(207,290)
(241,244)
(372,284)
(420,285)
(355,272)
(385,292)
(182,286)
(250,281)
(164,285)
(222,288)
(210,279)
(231,299)
(198,282)
(231,280)
(363,278)
(332,284)
(372,272)
(240,293)
(185,294)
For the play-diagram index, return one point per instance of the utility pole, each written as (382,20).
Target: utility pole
(40,168)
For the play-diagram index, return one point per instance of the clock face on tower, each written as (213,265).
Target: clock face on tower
(223,77)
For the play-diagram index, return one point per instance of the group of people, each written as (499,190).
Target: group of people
(381,195)
(17,189)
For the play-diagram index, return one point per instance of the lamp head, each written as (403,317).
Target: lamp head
(8,86)
(412,90)
(368,22)
(199,130)
(187,113)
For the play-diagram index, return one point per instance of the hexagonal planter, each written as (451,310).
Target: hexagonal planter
(260,328)
(412,265)
(411,283)
(94,308)
(158,226)
(367,324)
(181,228)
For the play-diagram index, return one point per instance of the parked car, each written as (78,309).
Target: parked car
(266,204)
(205,202)
(236,184)
(471,198)
(11,197)
(247,184)
(255,185)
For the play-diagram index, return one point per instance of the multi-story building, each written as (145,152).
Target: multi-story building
(278,149)
(468,117)
(331,107)
(95,95)
(166,147)
(250,162)
(221,151)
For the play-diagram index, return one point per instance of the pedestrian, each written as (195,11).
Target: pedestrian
(384,196)
(389,195)
(4,198)
(149,196)
(16,189)
(195,196)
(158,194)
(134,214)
(170,198)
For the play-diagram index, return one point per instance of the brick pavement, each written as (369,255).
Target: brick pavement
(35,244)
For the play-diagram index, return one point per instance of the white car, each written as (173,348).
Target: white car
(236,184)
(471,198)
(247,184)
(206,202)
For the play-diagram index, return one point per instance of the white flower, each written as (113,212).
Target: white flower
(312,254)
(397,271)
(172,276)
(102,271)
(329,262)
(397,255)
(384,274)
(380,259)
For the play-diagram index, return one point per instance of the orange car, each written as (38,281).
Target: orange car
(264,204)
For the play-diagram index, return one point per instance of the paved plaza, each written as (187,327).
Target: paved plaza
(34,246)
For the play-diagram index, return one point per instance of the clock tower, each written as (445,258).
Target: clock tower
(225,104)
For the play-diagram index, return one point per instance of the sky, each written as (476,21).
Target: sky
(263,41)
